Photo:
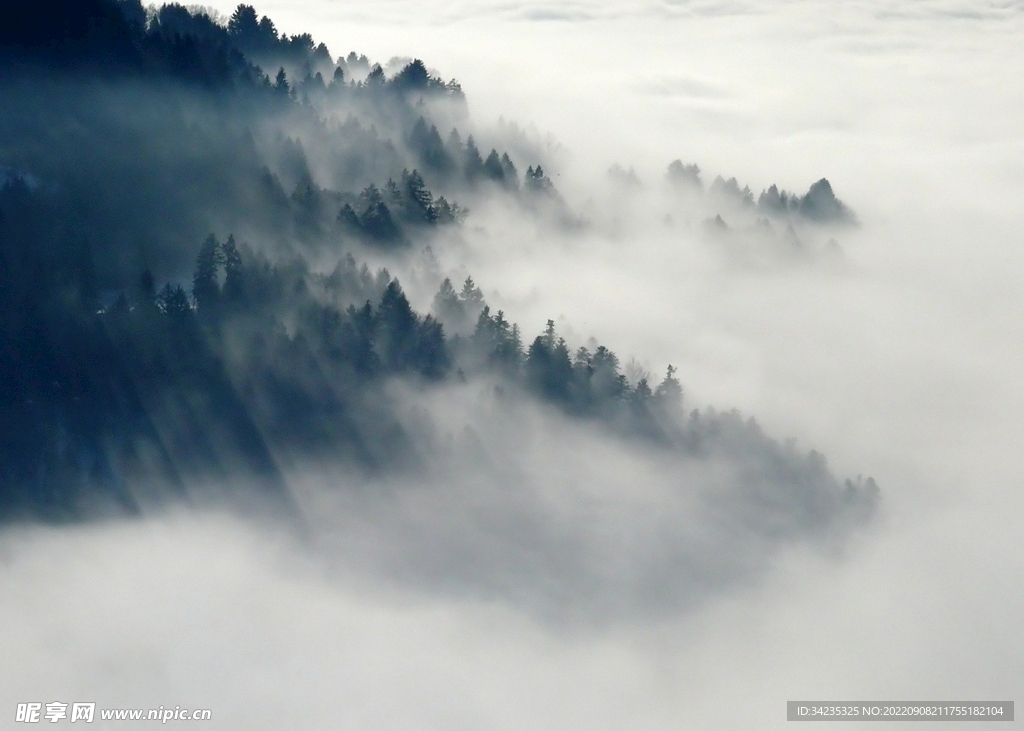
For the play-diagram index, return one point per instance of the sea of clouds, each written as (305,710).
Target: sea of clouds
(898,357)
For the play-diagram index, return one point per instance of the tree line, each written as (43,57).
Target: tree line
(141,354)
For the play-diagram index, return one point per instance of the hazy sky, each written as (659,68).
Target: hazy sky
(901,361)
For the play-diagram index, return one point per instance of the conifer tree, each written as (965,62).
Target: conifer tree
(205,287)
(233,284)
(473,165)
(493,168)
(447,306)
(281,81)
(174,303)
(471,296)
(669,393)
(511,175)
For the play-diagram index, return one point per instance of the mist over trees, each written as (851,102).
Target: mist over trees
(819,204)
(765,230)
(184,207)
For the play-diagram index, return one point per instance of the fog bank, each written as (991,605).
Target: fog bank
(553,587)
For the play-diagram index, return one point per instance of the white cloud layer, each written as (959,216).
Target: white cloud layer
(900,361)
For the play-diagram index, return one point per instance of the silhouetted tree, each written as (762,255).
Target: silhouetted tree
(511,175)
(426,143)
(472,297)
(454,147)
(414,77)
(669,393)
(821,204)
(234,287)
(495,339)
(205,284)
(448,213)
(641,393)
(281,81)
(243,22)
(606,383)
(473,164)
(548,367)
(396,328)
(267,29)
(418,197)
(537,182)
(730,190)
(376,220)
(358,345)
(685,175)
(493,168)
(447,306)
(375,79)
(778,202)
(174,303)
(348,218)
(430,352)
